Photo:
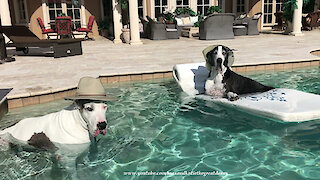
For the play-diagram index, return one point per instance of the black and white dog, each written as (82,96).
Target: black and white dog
(222,81)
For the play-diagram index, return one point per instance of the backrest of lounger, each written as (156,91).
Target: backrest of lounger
(19,34)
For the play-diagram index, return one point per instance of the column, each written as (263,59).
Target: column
(45,14)
(83,15)
(5,13)
(134,22)
(297,18)
(102,9)
(117,24)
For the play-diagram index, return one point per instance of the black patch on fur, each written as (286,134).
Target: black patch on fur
(41,141)
(242,85)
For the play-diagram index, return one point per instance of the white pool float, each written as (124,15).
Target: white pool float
(283,104)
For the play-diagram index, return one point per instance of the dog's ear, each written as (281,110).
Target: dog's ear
(209,60)
(230,56)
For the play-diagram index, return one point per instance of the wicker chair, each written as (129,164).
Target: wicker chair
(157,30)
(217,26)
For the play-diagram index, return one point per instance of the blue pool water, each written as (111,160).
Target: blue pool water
(151,131)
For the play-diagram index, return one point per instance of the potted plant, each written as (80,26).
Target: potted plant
(185,10)
(214,10)
(103,27)
(169,17)
(200,18)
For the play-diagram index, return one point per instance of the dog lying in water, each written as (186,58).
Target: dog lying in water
(222,81)
(67,133)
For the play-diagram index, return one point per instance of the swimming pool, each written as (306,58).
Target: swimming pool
(151,132)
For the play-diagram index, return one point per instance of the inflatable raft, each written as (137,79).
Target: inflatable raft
(283,104)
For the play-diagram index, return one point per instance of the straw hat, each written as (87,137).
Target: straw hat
(90,88)
(210,48)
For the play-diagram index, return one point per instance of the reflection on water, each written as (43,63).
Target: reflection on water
(151,131)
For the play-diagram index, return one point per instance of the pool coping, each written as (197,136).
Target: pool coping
(26,99)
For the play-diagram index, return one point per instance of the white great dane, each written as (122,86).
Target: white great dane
(67,131)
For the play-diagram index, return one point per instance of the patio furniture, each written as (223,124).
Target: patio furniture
(23,38)
(312,20)
(252,24)
(88,29)
(43,28)
(185,20)
(64,27)
(190,31)
(240,30)
(172,31)
(240,26)
(157,30)
(217,26)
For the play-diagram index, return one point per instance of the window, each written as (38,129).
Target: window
(279,6)
(73,10)
(69,8)
(22,12)
(241,6)
(140,8)
(160,6)
(203,6)
(182,3)
(268,12)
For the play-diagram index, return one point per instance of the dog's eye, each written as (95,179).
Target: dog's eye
(224,53)
(89,109)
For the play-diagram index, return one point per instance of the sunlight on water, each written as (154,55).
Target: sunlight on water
(151,131)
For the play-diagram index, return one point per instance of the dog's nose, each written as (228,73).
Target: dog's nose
(102,125)
(219,61)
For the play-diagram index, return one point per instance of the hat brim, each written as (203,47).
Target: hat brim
(93,98)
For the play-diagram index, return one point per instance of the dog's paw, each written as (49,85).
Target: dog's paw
(232,96)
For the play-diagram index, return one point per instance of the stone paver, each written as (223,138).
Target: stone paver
(34,74)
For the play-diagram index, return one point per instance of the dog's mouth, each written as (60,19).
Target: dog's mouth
(101,129)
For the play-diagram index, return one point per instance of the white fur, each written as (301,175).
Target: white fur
(214,85)
(63,127)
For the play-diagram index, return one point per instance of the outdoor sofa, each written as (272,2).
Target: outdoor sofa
(185,20)
(157,30)
(251,24)
(23,38)
(217,26)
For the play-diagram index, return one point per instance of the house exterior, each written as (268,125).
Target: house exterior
(25,12)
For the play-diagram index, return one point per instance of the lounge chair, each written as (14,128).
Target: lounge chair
(217,26)
(23,38)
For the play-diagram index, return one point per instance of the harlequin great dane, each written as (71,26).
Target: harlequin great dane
(222,81)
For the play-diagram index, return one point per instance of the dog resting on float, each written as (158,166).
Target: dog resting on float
(215,81)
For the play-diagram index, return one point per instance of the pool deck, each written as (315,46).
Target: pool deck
(36,74)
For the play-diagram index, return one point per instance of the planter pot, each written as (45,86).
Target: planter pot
(104,32)
(289,27)
(126,35)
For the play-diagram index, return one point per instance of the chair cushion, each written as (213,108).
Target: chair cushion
(48,31)
(186,20)
(171,30)
(83,30)
(238,27)
(193,19)
(179,21)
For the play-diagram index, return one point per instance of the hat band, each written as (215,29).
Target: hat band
(92,95)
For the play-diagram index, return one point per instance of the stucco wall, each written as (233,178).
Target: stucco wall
(255,6)
(34,11)
(93,8)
